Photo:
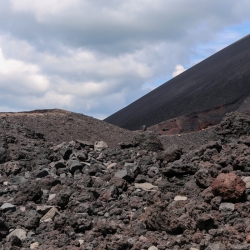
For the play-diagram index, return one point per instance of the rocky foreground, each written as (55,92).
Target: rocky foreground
(84,195)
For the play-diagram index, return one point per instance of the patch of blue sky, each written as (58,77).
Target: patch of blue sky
(202,51)
(155,82)
(228,36)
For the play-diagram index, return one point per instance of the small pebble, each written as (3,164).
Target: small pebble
(34,245)
(180,198)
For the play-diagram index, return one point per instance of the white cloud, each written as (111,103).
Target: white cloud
(45,7)
(51,99)
(97,56)
(178,70)
(20,77)
(72,78)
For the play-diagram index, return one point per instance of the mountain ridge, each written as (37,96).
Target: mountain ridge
(221,79)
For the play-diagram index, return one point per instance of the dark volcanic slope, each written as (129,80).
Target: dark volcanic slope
(62,126)
(221,81)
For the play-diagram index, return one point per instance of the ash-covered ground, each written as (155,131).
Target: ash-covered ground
(189,191)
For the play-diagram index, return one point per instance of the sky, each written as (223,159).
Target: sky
(96,57)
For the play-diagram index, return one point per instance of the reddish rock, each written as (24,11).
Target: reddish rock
(248,238)
(171,219)
(229,186)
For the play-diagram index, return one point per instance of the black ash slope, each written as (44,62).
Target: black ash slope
(222,80)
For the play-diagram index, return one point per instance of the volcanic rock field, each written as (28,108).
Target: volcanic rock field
(152,192)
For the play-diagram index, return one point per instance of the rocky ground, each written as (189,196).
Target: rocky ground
(151,193)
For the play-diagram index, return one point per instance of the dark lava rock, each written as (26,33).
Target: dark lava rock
(65,152)
(63,198)
(233,125)
(179,168)
(15,241)
(32,219)
(216,246)
(171,154)
(205,222)
(4,154)
(128,173)
(4,228)
(42,173)
(171,219)
(59,164)
(12,168)
(28,192)
(130,198)
(8,207)
(74,165)
(149,141)
(204,177)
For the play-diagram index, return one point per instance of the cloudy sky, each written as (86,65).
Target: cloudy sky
(95,57)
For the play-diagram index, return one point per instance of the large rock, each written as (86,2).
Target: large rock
(15,241)
(172,153)
(149,141)
(49,215)
(8,207)
(239,247)
(146,186)
(4,228)
(180,198)
(32,220)
(34,245)
(59,164)
(205,222)
(20,233)
(100,145)
(247,181)
(216,246)
(203,177)
(43,209)
(119,183)
(12,168)
(171,219)
(128,173)
(225,207)
(233,125)
(229,186)
(4,154)
(65,151)
(28,192)
(153,248)
(179,168)
(85,143)
(74,165)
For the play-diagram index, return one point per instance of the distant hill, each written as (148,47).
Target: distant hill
(208,90)
(59,126)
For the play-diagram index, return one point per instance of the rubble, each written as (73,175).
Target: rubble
(126,198)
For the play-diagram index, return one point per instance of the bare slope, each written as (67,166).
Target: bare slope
(62,126)
(221,81)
